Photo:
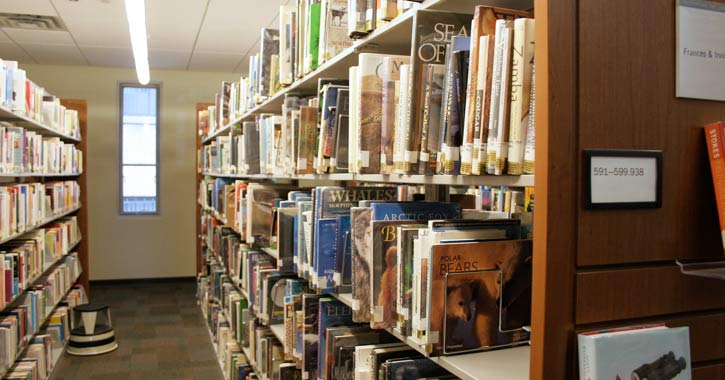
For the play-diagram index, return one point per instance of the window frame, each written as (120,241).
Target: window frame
(121,212)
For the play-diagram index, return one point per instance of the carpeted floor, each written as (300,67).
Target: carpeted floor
(161,335)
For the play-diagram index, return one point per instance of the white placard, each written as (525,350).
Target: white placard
(700,49)
(623,179)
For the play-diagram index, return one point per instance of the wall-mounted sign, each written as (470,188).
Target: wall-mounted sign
(622,179)
(700,52)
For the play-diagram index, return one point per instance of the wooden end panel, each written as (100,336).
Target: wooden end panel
(621,294)
(627,101)
(709,372)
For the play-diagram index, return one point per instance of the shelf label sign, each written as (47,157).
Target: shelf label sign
(622,179)
(700,56)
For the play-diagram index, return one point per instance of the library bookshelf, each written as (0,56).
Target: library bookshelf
(81,245)
(603,82)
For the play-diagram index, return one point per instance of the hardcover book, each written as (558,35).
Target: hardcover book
(480,295)
(361,228)
(412,369)
(308,137)
(356,18)
(452,113)
(269,46)
(371,109)
(500,90)
(715,137)
(339,158)
(522,61)
(637,352)
(286,43)
(390,74)
(313,32)
(530,146)
(310,338)
(342,277)
(334,38)
(332,313)
(432,32)
(433,83)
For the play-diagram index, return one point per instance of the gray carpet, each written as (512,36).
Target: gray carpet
(161,335)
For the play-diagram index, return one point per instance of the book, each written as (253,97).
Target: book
(287,44)
(401,136)
(342,275)
(714,138)
(370,109)
(340,152)
(268,47)
(480,295)
(500,90)
(310,329)
(521,76)
(432,32)
(636,352)
(452,110)
(308,137)
(361,228)
(390,75)
(354,119)
(530,146)
(334,37)
(482,104)
(432,98)
(314,12)
(302,37)
(412,369)
(331,313)
(356,18)
(407,233)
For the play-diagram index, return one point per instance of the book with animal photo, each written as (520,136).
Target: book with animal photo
(480,295)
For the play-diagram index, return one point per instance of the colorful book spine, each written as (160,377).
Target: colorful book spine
(716,152)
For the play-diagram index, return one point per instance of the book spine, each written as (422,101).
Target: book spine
(471,85)
(324,31)
(521,73)
(714,137)
(530,147)
(370,110)
(493,123)
(482,104)
(402,124)
(354,122)
(313,46)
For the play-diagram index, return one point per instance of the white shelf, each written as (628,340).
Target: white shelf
(278,331)
(271,251)
(19,175)
(418,179)
(507,363)
(42,223)
(345,298)
(33,125)
(224,129)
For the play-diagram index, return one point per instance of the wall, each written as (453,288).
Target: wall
(126,247)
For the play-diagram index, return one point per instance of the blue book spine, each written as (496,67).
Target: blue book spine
(343,247)
(332,313)
(324,262)
(415,211)
(295,251)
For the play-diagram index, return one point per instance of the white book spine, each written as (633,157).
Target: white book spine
(522,59)
(530,148)
(402,120)
(495,96)
(501,147)
(354,119)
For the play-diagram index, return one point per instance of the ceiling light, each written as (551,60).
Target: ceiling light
(136,14)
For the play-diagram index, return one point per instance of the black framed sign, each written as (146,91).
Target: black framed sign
(622,179)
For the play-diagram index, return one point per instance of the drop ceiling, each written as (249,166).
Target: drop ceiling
(194,35)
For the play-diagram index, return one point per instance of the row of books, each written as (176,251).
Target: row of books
(320,342)
(35,307)
(24,259)
(424,113)
(23,151)
(23,207)
(344,240)
(23,97)
(310,33)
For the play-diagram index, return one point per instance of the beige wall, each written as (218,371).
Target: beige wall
(137,247)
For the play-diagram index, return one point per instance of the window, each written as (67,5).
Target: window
(139,149)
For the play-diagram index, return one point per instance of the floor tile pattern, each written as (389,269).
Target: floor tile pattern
(161,335)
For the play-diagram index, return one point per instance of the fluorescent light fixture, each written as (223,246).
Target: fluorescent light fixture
(136,14)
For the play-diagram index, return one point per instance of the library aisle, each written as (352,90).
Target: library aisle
(161,335)
(362,189)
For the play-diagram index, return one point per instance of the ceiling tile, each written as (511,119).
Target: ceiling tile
(169,33)
(32,7)
(55,54)
(12,52)
(50,37)
(211,61)
(95,22)
(103,56)
(168,59)
(228,28)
